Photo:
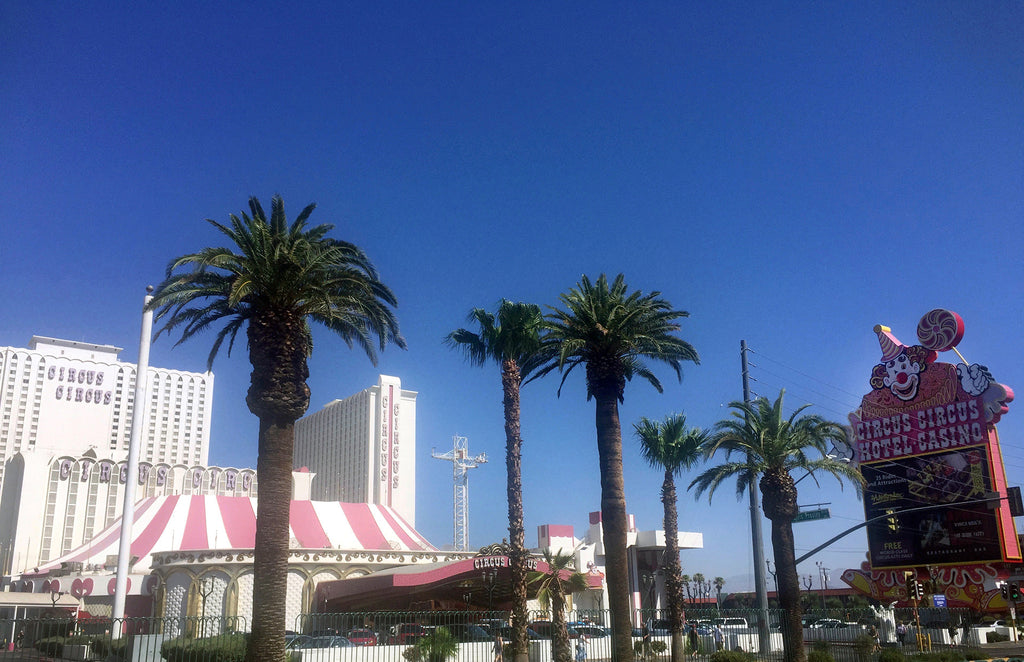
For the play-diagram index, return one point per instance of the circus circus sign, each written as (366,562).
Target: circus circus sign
(925,436)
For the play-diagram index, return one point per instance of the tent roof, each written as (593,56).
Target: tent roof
(181,523)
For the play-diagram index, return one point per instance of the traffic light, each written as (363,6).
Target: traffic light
(892,522)
(916,590)
(1004,588)
(1014,591)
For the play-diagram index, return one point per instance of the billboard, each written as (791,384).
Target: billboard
(925,438)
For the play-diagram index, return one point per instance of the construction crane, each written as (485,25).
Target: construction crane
(461,464)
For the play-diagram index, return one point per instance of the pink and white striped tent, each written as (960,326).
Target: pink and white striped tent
(179,523)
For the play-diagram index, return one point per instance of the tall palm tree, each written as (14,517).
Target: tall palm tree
(513,340)
(672,446)
(771,445)
(719,584)
(273,281)
(611,331)
(560,580)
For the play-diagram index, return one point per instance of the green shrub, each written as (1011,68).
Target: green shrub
(658,647)
(822,646)
(437,646)
(975,654)
(863,647)
(993,637)
(820,656)
(732,656)
(225,648)
(891,655)
(51,646)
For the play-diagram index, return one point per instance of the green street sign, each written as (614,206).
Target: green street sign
(811,515)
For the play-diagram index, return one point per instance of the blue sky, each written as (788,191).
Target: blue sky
(791,175)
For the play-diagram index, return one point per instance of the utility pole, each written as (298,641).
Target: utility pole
(760,582)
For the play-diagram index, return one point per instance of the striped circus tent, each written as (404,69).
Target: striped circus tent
(184,523)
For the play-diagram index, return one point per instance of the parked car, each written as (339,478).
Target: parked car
(362,637)
(732,622)
(304,642)
(591,631)
(659,627)
(406,633)
(827,623)
(506,633)
(468,632)
(546,630)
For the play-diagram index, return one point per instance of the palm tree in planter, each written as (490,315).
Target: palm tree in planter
(673,447)
(770,446)
(513,340)
(276,279)
(560,580)
(437,646)
(611,331)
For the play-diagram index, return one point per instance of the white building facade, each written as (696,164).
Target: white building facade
(63,400)
(363,448)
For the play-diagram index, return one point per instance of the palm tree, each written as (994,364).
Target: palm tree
(771,446)
(513,340)
(610,331)
(437,646)
(281,278)
(719,584)
(560,580)
(673,447)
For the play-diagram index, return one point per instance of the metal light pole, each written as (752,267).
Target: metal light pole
(128,504)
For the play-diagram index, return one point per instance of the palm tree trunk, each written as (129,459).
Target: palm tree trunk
(614,522)
(270,558)
(789,589)
(510,384)
(673,570)
(560,640)
(278,395)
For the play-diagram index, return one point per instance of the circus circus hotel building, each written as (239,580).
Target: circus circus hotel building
(67,409)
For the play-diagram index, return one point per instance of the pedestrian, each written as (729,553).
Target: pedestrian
(646,642)
(873,633)
(691,639)
(19,641)
(719,638)
(499,646)
(901,632)
(581,649)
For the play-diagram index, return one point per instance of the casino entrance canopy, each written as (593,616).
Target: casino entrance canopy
(481,582)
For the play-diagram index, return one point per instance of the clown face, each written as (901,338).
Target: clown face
(901,376)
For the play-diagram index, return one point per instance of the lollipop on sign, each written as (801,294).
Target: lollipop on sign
(941,330)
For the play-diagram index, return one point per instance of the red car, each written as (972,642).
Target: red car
(406,633)
(362,637)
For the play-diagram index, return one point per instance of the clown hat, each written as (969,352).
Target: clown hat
(891,346)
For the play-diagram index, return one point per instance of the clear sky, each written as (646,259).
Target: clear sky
(791,175)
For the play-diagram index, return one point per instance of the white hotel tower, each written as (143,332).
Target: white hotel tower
(61,398)
(362,448)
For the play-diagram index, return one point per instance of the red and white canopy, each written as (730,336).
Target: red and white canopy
(176,523)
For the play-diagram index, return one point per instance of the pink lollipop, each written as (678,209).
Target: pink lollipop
(940,330)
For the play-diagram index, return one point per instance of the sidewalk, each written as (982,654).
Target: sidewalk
(1005,649)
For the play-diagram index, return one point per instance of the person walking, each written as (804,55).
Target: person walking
(499,649)
(719,638)
(876,644)
(691,640)
(581,649)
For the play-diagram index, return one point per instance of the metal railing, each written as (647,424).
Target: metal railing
(848,635)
